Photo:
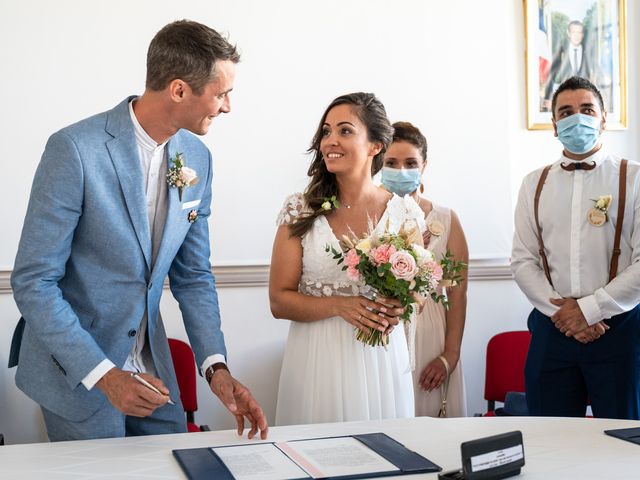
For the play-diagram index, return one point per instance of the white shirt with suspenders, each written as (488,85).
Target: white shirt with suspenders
(578,250)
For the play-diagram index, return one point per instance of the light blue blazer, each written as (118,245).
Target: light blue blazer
(83,274)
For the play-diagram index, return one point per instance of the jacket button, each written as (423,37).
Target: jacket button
(132,333)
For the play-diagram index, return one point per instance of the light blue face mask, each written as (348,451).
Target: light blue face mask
(579,133)
(401,181)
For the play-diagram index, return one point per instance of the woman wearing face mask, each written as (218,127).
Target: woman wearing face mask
(327,375)
(438,380)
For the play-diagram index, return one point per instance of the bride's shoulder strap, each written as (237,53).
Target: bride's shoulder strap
(294,206)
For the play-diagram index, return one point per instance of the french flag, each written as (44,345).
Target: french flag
(544,50)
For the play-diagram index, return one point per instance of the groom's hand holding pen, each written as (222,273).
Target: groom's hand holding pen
(151,387)
(134,394)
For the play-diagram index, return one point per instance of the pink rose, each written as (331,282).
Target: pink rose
(353,274)
(435,269)
(188,176)
(351,259)
(403,266)
(382,254)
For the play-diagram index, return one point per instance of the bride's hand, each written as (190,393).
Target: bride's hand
(366,314)
(394,309)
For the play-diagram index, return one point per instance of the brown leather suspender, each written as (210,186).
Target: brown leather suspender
(622,196)
(536,202)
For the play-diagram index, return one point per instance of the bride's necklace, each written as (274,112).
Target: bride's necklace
(349,205)
(346,205)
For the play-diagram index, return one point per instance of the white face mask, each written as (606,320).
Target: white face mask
(579,133)
(401,181)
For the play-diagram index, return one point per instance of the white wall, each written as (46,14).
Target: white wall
(454,68)
(255,341)
(71,58)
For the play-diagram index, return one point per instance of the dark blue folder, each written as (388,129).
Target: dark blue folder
(204,464)
(629,434)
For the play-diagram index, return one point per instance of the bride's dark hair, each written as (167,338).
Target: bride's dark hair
(323,184)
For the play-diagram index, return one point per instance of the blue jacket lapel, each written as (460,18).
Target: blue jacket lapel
(174,207)
(124,155)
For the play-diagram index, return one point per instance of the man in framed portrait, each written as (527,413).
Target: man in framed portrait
(570,60)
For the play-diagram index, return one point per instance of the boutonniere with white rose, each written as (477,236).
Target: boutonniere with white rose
(597,215)
(181,176)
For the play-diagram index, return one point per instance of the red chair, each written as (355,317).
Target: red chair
(185,367)
(506,356)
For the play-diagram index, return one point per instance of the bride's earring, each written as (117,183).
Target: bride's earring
(421,188)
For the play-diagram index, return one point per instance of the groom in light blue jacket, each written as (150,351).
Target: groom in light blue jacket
(119,201)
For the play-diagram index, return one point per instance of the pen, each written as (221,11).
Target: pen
(151,387)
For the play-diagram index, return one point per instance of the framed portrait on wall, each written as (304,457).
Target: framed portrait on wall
(586,38)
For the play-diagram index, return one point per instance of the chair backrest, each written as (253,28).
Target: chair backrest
(185,367)
(506,355)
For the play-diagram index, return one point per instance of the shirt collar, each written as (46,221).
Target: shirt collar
(143,139)
(598,157)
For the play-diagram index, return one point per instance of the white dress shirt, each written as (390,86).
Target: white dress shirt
(153,161)
(579,253)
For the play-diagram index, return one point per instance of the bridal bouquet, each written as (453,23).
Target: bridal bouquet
(397,265)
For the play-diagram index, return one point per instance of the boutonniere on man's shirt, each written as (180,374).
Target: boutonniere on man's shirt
(597,215)
(180,176)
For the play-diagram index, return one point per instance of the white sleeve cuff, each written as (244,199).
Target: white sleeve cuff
(590,309)
(210,360)
(97,373)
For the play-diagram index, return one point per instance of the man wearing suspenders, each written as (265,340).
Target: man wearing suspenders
(576,252)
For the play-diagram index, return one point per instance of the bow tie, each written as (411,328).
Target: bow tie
(578,166)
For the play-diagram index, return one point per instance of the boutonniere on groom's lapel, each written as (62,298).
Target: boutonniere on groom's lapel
(180,176)
(597,215)
(193,216)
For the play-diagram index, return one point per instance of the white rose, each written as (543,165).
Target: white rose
(364,246)
(422,254)
(604,202)
(188,176)
(326,205)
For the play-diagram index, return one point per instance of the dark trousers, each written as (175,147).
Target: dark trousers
(563,375)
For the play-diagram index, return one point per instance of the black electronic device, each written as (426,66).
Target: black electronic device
(489,458)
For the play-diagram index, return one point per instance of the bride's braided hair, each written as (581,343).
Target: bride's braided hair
(323,184)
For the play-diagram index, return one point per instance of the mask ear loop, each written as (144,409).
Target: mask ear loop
(424,166)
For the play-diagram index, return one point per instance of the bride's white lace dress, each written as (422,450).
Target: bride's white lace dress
(327,375)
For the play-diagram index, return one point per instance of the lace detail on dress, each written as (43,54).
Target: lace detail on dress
(321,274)
(294,206)
(338,288)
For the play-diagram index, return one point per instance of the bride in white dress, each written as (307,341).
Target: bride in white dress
(327,375)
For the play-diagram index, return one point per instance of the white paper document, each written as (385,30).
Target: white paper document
(333,457)
(263,461)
